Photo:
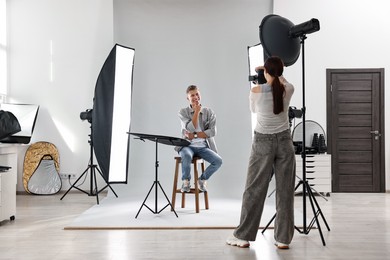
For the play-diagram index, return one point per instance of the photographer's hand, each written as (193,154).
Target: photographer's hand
(258,68)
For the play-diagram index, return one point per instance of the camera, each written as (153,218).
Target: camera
(86,115)
(259,78)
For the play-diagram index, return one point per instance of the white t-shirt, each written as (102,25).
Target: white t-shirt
(262,104)
(198,142)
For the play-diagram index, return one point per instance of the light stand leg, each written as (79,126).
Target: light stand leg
(319,211)
(316,211)
(93,180)
(74,184)
(96,191)
(169,203)
(155,185)
(107,184)
(143,203)
(274,216)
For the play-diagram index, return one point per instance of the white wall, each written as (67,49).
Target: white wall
(353,34)
(56,50)
(178,43)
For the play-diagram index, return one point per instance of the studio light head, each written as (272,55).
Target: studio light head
(293,112)
(86,115)
(302,29)
(280,37)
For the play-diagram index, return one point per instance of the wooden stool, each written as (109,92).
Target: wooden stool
(196,191)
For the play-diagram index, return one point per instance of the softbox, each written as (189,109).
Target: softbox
(111,114)
(26,115)
(276,40)
(255,59)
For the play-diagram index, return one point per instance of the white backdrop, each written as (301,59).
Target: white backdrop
(178,43)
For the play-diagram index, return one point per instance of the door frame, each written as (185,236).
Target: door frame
(381,118)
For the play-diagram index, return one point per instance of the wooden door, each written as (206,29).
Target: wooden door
(355,126)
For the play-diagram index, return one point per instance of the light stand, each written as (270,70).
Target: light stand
(168,140)
(156,184)
(306,189)
(92,168)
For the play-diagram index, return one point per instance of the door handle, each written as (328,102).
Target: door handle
(376,133)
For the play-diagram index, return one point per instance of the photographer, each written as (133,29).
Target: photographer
(272,148)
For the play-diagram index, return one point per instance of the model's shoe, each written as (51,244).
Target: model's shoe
(233,241)
(202,185)
(282,245)
(186,186)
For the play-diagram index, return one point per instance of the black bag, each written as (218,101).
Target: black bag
(9,124)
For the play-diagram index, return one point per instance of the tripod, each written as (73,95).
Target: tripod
(92,168)
(156,184)
(306,189)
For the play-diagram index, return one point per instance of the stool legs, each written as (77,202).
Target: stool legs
(206,194)
(194,191)
(173,201)
(196,187)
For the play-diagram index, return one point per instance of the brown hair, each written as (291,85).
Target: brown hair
(274,67)
(190,88)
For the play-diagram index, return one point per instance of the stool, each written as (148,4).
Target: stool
(196,191)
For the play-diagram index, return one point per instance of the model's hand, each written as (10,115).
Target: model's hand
(197,107)
(189,135)
(202,135)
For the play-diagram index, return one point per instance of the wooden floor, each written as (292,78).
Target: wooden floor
(360,229)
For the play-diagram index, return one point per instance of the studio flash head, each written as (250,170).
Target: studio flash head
(86,115)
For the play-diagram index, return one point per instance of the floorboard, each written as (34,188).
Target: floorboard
(359,223)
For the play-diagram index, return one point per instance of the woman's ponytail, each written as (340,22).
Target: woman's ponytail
(274,67)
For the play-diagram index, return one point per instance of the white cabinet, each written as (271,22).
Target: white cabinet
(318,172)
(8,157)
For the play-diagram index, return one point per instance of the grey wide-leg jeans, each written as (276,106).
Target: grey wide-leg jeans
(271,153)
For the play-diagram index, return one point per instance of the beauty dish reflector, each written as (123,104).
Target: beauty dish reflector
(276,41)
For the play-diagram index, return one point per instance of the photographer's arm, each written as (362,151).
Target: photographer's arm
(256,89)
